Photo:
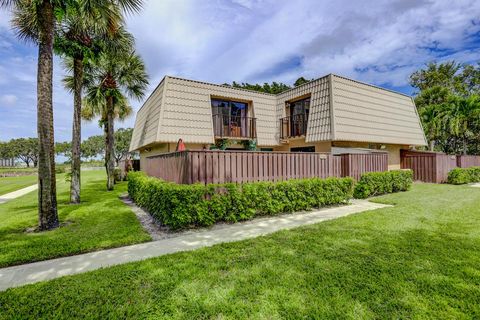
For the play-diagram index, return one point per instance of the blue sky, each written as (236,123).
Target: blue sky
(380,42)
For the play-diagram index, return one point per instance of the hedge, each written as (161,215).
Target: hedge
(179,206)
(377,183)
(464,175)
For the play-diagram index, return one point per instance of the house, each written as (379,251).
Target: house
(324,115)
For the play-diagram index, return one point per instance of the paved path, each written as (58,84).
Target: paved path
(50,269)
(18,193)
(475,185)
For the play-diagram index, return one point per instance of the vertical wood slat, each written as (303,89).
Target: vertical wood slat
(430,167)
(467,161)
(208,166)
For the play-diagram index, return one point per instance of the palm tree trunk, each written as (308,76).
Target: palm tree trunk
(109,143)
(47,198)
(76,130)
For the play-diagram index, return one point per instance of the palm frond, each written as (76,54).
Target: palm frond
(25,20)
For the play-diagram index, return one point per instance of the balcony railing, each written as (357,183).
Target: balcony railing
(227,126)
(294,126)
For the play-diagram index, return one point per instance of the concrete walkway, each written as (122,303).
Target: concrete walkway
(18,193)
(50,269)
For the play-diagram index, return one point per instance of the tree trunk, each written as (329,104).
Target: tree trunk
(109,143)
(432,145)
(464,141)
(47,198)
(76,130)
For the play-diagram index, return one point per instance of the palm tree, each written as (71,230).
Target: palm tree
(431,117)
(35,21)
(77,38)
(116,74)
(463,117)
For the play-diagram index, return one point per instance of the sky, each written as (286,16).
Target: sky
(256,41)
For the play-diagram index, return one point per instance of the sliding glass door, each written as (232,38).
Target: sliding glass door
(232,116)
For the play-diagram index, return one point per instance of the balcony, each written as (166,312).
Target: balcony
(238,127)
(293,126)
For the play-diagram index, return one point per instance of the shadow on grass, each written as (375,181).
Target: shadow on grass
(311,272)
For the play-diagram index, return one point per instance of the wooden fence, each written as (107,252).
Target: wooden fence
(465,161)
(355,164)
(428,166)
(208,166)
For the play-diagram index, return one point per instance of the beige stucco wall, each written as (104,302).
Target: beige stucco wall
(323,146)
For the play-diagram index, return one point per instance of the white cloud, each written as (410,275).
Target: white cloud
(378,41)
(8,100)
(245,40)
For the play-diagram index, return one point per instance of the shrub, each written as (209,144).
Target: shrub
(117,175)
(464,175)
(376,183)
(179,206)
(61,169)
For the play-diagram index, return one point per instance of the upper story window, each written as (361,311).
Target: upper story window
(230,119)
(300,107)
(229,108)
(295,123)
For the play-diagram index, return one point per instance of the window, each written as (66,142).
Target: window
(300,107)
(230,119)
(229,108)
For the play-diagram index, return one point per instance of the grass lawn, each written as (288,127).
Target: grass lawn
(18,169)
(419,259)
(100,221)
(9,184)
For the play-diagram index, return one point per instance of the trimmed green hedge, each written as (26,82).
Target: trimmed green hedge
(179,206)
(376,183)
(464,175)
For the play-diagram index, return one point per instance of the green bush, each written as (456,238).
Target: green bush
(464,175)
(117,175)
(180,206)
(61,169)
(376,183)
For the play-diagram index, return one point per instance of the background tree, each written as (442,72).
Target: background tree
(447,101)
(64,149)
(116,75)
(5,150)
(78,39)
(75,41)
(301,81)
(431,119)
(93,147)
(273,88)
(462,116)
(25,149)
(123,136)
